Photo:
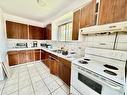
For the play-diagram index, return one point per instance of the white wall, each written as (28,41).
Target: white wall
(22,20)
(61,20)
(3,39)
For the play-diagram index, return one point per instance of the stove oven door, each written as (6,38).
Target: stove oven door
(87,85)
(84,85)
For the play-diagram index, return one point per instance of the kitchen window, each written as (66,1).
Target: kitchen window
(65,32)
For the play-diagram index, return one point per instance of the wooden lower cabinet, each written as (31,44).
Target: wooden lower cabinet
(53,64)
(30,55)
(42,55)
(22,57)
(45,58)
(65,70)
(13,58)
(58,66)
(37,55)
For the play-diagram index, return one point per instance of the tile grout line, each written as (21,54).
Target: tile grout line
(18,82)
(47,86)
(3,87)
(30,78)
(5,84)
(62,85)
(42,78)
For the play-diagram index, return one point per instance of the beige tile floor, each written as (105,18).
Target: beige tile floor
(33,79)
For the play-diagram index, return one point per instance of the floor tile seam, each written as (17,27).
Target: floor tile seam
(48,83)
(3,86)
(31,80)
(43,80)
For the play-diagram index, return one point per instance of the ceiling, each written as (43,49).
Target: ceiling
(30,9)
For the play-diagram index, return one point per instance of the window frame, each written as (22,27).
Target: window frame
(66,27)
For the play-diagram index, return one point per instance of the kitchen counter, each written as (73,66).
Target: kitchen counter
(59,54)
(18,49)
(47,50)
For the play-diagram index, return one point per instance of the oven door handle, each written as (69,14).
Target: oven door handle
(113,86)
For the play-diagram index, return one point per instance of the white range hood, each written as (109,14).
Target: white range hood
(113,27)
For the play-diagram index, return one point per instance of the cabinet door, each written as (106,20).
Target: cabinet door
(53,65)
(65,70)
(12,29)
(48,32)
(61,71)
(88,15)
(112,11)
(13,58)
(46,59)
(16,30)
(30,55)
(37,55)
(65,73)
(42,55)
(23,31)
(36,32)
(22,57)
(76,25)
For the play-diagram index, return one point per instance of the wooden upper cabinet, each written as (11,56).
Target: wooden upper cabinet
(76,25)
(23,31)
(12,29)
(36,32)
(112,11)
(88,15)
(16,30)
(48,33)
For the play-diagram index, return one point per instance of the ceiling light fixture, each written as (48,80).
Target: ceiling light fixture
(41,3)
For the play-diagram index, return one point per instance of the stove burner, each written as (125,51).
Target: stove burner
(110,67)
(86,59)
(110,72)
(83,62)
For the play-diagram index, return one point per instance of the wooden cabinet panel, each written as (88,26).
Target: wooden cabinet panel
(23,31)
(30,55)
(16,30)
(13,58)
(22,57)
(12,29)
(36,32)
(65,73)
(53,64)
(48,33)
(46,58)
(76,25)
(112,11)
(37,55)
(42,55)
(88,15)
(65,70)
(65,62)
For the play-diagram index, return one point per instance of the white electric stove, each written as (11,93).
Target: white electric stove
(100,72)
